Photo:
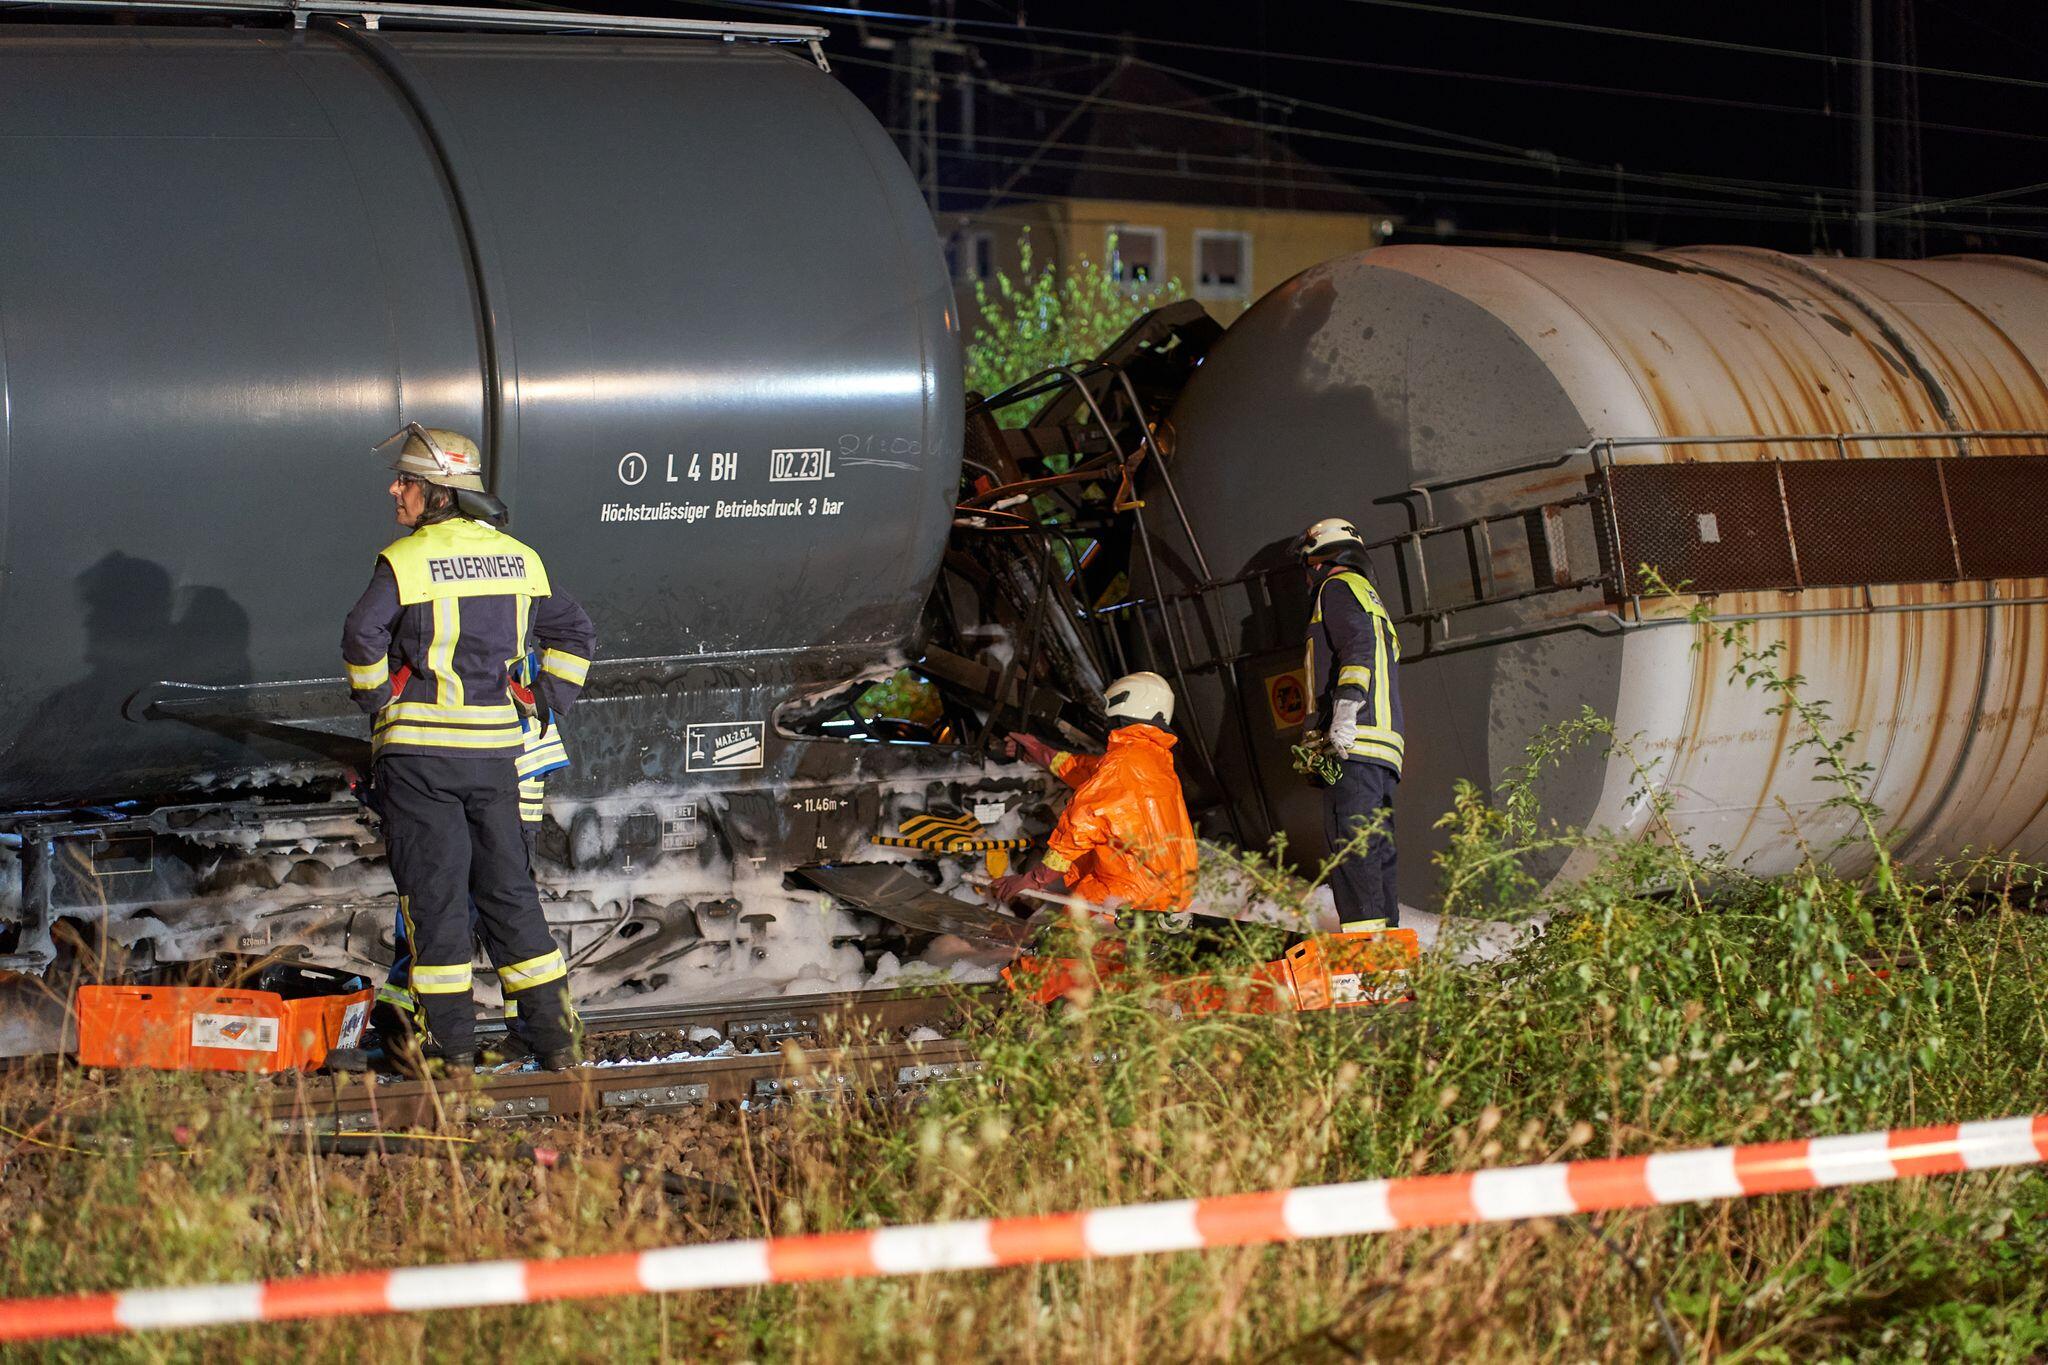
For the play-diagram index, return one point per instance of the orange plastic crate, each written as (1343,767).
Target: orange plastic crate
(1269,989)
(1340,971)
(195,1028)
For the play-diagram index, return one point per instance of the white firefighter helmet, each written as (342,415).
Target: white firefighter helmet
(1329,536)
(438,456)
(1140,697)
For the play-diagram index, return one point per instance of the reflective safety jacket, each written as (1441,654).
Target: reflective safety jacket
(542,753)
(460,604)
(1352,655)
(1125,837)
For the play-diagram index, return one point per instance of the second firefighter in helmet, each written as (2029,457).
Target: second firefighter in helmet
(1351,662)
(1124,839)
(450,606)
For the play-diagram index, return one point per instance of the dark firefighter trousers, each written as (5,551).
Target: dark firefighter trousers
(400,974)
(1363,883)
(451,832)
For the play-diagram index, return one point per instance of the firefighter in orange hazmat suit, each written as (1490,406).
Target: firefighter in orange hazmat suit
(1124,839)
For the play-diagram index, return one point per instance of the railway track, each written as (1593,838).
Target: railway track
(852,1042)
(807,1044)
(332,1105)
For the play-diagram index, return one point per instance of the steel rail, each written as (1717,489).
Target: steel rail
(339,1104)
(786,1016)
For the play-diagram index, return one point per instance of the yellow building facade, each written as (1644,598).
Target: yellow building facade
(1224,255)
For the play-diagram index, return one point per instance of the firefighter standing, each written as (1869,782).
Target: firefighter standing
(1125,838)
(453,606)
(396,1015)
(1351,662)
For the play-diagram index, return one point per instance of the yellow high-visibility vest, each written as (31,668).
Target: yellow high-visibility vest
(463,558)
(1378,739)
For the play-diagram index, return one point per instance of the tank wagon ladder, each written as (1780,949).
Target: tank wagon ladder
(1707,528)
(1550,567)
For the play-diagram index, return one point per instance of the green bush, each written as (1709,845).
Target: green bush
(1046,317)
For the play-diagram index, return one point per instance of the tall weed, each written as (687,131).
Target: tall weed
(1659,1000)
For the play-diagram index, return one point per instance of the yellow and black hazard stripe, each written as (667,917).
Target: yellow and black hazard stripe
(950,845)
(932,826)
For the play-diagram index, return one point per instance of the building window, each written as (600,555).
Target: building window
(1223,264)
(1137,256)
(972,256)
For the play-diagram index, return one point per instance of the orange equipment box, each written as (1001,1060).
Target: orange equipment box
(1268,990)
(198,1028)
(1043,980)
(1338,971)
(1334,971)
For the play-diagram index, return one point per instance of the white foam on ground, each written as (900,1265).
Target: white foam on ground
(1225,890)
(1470,940)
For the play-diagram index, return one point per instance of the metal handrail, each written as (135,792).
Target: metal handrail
(1428,614)
(1839,439)
(371,11)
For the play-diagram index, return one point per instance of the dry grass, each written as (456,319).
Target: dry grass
(1668,1004)
(1604,1035)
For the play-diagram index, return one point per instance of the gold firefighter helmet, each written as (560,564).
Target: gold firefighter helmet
(437,456)
(1329,536)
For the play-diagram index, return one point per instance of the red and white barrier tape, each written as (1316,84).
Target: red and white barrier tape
(1501,1195)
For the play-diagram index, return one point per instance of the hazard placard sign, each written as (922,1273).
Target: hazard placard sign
(1287,699)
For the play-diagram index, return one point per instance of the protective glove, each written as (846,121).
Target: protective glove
(1037,877)
(547,703)
(527,703)
(1344,724)
(1315,757)
(1030,747)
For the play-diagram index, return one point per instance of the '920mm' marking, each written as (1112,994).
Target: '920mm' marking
(799,466)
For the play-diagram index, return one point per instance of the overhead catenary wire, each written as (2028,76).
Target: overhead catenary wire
(1534,193)
(1967,201)
(854,12)
(1627,92)
(1604,91)
(1613,175)
(1586,197)
(1479,149)
(1781,189)
(1451,73)
(1689,40)
(1570,199)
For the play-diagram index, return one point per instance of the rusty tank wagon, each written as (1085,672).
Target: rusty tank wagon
(1561,454)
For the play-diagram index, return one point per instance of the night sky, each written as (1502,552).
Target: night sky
(1516,130)
(1504,121)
